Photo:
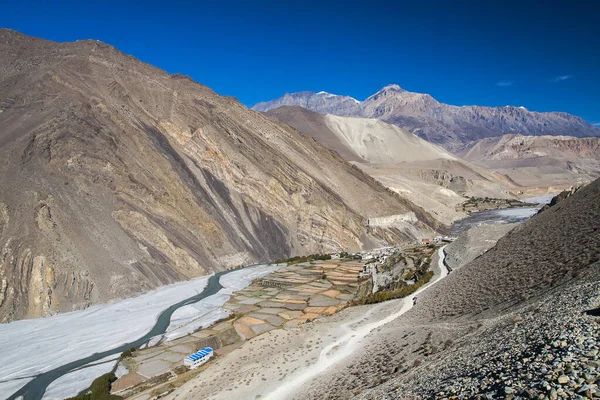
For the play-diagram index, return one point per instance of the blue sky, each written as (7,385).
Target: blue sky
(544,55)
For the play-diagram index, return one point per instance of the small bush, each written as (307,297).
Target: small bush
(100,389)
(301,259)
(396,293)
(127,353)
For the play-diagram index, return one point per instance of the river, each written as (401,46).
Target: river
(43,345)
(504,216)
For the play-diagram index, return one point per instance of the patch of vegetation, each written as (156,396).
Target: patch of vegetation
(100,389)
(404,291)
(392,261)
(490,203)
(127,353)
(301,259)
(180,370)
(345,255)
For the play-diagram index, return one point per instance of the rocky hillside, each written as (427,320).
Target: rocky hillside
(553,160)
(118,177)
(519,321)
(450,126)
(423,172)
(473,243)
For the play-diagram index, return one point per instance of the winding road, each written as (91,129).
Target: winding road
(348,343)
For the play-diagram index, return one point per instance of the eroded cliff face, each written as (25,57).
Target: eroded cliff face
(559,161)
(117,177)
(509,147)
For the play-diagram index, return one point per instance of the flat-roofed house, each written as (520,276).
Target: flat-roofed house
(198,358)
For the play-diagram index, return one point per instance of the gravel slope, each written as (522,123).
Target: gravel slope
(473,243)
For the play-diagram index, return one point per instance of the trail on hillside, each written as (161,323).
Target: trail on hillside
(352,333)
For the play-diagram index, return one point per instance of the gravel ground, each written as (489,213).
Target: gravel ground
(474,243)
(548,349)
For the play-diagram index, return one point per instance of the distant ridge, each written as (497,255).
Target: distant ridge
(538,160)
(448,125)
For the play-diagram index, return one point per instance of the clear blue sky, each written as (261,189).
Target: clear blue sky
(544,55)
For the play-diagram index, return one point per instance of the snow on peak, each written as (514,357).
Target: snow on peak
(520,107)
(326,94)
(392,87)
(329,95)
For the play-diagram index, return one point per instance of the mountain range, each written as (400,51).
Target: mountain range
(447,125)
(118,177)
(422,172)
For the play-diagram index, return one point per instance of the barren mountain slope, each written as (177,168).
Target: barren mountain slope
(423,172)
(551,160)
(510,322)
(450,126)
(117,177)
(473,243)
(314,125)
(372,140)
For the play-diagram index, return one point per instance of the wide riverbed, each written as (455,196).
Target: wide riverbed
(505,216)
(59,356)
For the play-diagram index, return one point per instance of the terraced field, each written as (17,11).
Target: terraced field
(286,298)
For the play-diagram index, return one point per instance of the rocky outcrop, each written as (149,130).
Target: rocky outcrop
(511,147)
(450,126)
(443,178)
(391,220)
(118,177)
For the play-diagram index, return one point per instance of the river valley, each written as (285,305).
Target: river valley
(503,216)
(40,354)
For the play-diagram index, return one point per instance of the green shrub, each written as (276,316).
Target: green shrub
(404,291)
(301,259)
(100,389)
(127,353)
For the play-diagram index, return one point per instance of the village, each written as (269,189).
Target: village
(296,293)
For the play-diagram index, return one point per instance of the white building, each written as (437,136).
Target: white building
(198,358)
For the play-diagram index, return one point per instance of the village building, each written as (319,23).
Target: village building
(198,358)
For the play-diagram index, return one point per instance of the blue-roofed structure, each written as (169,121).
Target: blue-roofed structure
(198,358)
